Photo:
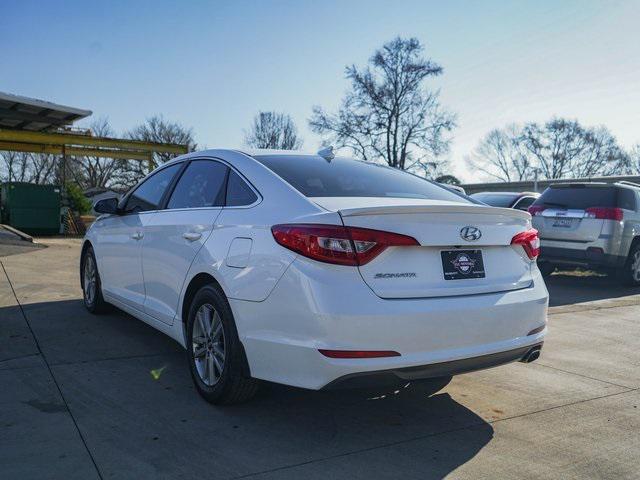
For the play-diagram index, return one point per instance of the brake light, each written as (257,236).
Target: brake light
(337,244)
(535,210)
(359,353)
(605,213)
(530,241)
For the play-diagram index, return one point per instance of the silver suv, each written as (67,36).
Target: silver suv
(592,225)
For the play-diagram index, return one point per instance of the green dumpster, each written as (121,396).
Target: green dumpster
(33,209)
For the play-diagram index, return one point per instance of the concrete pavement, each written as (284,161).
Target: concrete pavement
(77,400)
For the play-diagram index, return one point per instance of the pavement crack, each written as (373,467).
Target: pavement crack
(53,378)
(538,364)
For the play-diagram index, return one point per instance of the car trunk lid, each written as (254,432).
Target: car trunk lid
(488,263)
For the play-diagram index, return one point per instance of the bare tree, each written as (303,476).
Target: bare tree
(14,166)
(560,148)
(502,155)
(154,129)
(40,168)
(565,149)
(388,114)
(273,130)
(91,171)
(45,168)
(634,160)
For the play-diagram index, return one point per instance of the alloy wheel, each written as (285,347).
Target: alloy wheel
(635,266)
(90,278)
(208,344)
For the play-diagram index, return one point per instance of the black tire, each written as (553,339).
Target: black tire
(232,384)
(91,293)
(546,269)
(629,274)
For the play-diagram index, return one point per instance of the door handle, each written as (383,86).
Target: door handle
(137,236)
(191,236)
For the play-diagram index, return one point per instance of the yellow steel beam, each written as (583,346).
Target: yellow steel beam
(74,151)
(45,138)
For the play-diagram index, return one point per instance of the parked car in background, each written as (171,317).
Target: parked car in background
(519,201)
(315,271)
(592,225)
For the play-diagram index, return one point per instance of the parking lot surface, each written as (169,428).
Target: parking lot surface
(108,397)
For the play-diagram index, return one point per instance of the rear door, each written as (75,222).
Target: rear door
(464,248)
(175,234)
(575,213)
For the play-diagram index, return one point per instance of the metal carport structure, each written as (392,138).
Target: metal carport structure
(38,126)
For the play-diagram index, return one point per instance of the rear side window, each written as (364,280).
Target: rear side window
(149,194)
(314,176)
(524,203)
(201,185)
(238,192)
(626,199)
(578,197)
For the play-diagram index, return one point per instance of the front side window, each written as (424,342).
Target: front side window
(313,176)
(201,185)
(149,194)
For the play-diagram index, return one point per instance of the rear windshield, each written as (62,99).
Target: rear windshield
(316,177)
(496,200)
(582,197)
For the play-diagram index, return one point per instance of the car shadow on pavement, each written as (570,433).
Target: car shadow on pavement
(129,390)
(578,287)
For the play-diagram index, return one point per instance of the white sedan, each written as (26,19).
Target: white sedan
(315,271)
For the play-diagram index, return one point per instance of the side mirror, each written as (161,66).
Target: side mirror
(107,205)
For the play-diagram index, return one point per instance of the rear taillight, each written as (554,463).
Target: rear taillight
(529,241)
(605,213)
(337,244)
(536,210)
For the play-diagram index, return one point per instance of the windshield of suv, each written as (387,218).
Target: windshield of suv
(314,176)
(496,199)
(579,197)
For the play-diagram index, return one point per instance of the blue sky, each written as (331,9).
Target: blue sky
(213,65)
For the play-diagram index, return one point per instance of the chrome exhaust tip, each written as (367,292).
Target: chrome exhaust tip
(532,355)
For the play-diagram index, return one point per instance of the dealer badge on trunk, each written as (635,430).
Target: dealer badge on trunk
(463,263)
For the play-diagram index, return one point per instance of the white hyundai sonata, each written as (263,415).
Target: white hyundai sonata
(315,271)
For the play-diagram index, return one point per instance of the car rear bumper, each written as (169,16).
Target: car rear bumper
(330,307)
(586,256)
(434,370)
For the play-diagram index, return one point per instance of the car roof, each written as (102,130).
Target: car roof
(507,193)
(594,185)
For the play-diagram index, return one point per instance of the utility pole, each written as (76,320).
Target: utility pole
(536,172)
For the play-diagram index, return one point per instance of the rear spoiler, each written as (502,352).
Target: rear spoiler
(405,209)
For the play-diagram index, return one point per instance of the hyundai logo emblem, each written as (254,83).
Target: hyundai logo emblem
(470,233)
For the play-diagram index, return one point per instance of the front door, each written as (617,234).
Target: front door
(174,235)
(119,239)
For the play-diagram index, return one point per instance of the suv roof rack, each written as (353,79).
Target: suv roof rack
(569,184)
(631,184)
